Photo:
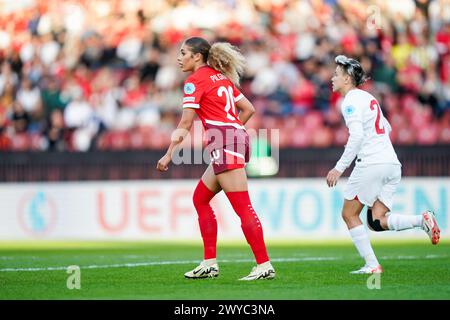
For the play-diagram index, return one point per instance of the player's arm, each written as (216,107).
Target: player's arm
(354,142)
(246,109)
(353,117)
(183,128)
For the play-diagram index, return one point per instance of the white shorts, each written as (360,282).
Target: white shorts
(372,182)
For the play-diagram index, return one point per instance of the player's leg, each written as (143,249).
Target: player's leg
(379,220)
(362,187)
(234,184)
(350,213)
(206,189)
(376,216)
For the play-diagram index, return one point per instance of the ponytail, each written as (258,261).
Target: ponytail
(228,60)
(221,56)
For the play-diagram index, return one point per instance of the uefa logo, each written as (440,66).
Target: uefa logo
(37,214)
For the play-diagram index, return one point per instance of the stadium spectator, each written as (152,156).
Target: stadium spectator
(55,132)
(51,95)
(29,96)
(289,45)
(20,119)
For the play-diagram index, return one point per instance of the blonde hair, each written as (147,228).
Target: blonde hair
(228,60)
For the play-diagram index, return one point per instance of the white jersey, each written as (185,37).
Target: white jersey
(369,132)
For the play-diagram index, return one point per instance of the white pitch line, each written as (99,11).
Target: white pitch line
(174,262)
(157,263)
(429,256)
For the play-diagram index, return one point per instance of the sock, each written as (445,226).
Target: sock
(209,262)
(265,265)
(206,219)
(361,241)
(250,224)
(400,222)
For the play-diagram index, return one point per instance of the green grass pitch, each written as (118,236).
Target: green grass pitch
(150,270)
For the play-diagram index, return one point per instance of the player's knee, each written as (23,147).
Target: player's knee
(374,224)
(347,217)
(344,217)
(196,199)
(199,201)
(201,196)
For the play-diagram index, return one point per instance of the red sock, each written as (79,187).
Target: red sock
(206,219)
(249,223)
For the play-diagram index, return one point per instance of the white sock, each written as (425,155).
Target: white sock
(400,222)
(266,264)
(209,262)
(361,241)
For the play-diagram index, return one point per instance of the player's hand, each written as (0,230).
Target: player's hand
(163,163)
(332,177)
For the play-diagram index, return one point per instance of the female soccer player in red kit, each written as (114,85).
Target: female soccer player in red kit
(211,93)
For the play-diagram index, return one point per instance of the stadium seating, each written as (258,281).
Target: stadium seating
(116,81)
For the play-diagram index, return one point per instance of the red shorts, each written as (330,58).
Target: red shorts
(230,157)
(229,148)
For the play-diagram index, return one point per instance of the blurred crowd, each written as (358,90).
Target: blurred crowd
(82,75)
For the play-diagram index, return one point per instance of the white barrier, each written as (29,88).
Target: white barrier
(163,210)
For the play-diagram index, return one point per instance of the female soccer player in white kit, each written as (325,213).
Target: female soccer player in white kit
(377,170)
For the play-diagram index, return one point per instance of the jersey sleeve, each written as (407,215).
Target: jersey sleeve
(352,110)
(237,94)
(193,92)
(352,147)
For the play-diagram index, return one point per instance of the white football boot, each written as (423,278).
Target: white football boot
(368,270)
(203,271)
(430,226)
(261,272)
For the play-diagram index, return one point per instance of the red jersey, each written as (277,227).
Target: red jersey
(213,96)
